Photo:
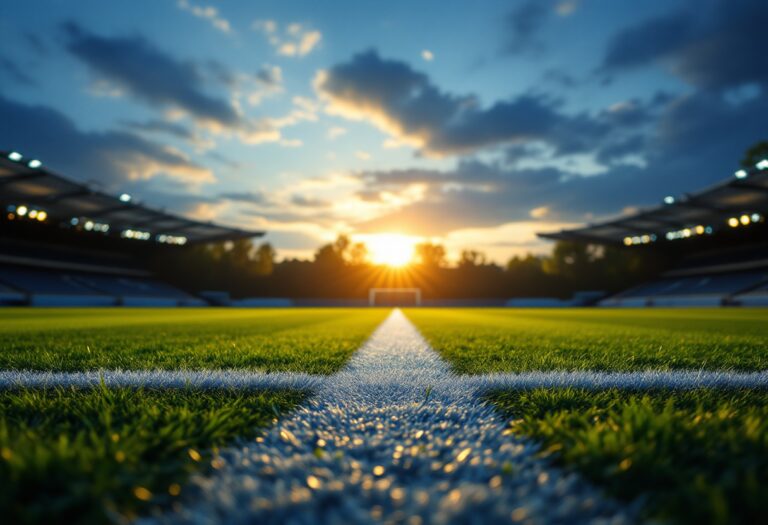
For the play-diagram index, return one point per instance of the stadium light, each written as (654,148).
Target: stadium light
(15,156)
(763,164)
(669,199)
(34,164)
(741,174)
(125,197)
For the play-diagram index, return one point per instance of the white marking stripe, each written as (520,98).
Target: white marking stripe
(680,379)
(205,379)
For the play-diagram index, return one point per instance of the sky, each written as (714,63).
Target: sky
(470,124)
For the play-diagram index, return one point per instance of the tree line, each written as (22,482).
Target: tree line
(342,269)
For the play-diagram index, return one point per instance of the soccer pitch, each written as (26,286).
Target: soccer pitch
(317,341)
(398,427)
(690,456)
(479,341)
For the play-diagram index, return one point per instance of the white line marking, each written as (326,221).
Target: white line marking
(648,379)
(206,379)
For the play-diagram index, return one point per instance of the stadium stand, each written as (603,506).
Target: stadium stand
(64,243)
(716,241)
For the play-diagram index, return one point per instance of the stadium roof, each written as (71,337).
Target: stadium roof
(738,202)
(27,189)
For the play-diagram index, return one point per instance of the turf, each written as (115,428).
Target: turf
(690,457)
(298,340)
(80,456)
(478,341)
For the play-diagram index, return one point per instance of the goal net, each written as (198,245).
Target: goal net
(394,297)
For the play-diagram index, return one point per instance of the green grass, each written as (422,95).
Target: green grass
(303,340)
(73,456)
(478,341)
(692,457)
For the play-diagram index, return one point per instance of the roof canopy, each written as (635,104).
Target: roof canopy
(26,186)
(739,201)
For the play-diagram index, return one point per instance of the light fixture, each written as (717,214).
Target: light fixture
(32,214)
(733,222)
(21,210)
(15,156)
(34,164)
(669,199)
(741,174)
(42,215)
(699,229)
(124,197)
(756,217)
(745,219)
(763,164)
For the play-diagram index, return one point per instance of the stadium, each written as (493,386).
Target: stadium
(355,287)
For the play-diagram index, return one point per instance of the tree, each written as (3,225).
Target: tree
(755,154)
(472,258)
(357,254)
(265,259)
(429,254)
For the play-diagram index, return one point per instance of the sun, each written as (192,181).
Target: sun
(391,249)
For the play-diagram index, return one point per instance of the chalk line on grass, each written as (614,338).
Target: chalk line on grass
(243,379)
(394,437)
(202,379)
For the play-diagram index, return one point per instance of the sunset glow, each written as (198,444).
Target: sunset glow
(390,249)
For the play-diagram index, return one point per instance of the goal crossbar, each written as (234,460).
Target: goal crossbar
(373,292)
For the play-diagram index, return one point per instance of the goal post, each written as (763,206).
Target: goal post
(394,297)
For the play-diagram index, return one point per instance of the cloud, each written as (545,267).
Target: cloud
(10,70)
(294,40)
(523,25)
(108,157)
(134,66)
(405,104)
(209,13)
(335,132)
(711,44)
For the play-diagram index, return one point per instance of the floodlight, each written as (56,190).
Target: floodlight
(15,156)
(745,219)
(733,222)
(763,164)
(125,197)
(42,215)
(32,214)
(21,210)
(34,164)
(741,174)
(756,217)
(669,199)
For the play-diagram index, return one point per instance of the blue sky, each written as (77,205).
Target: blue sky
(474,125)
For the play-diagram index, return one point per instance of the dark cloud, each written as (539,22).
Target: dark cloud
(161,126)
(249,197)
(681,145)
(108,157)
(406,104)
(308,202)
(135,65)
(713,44)
(523,25)
(13,72)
